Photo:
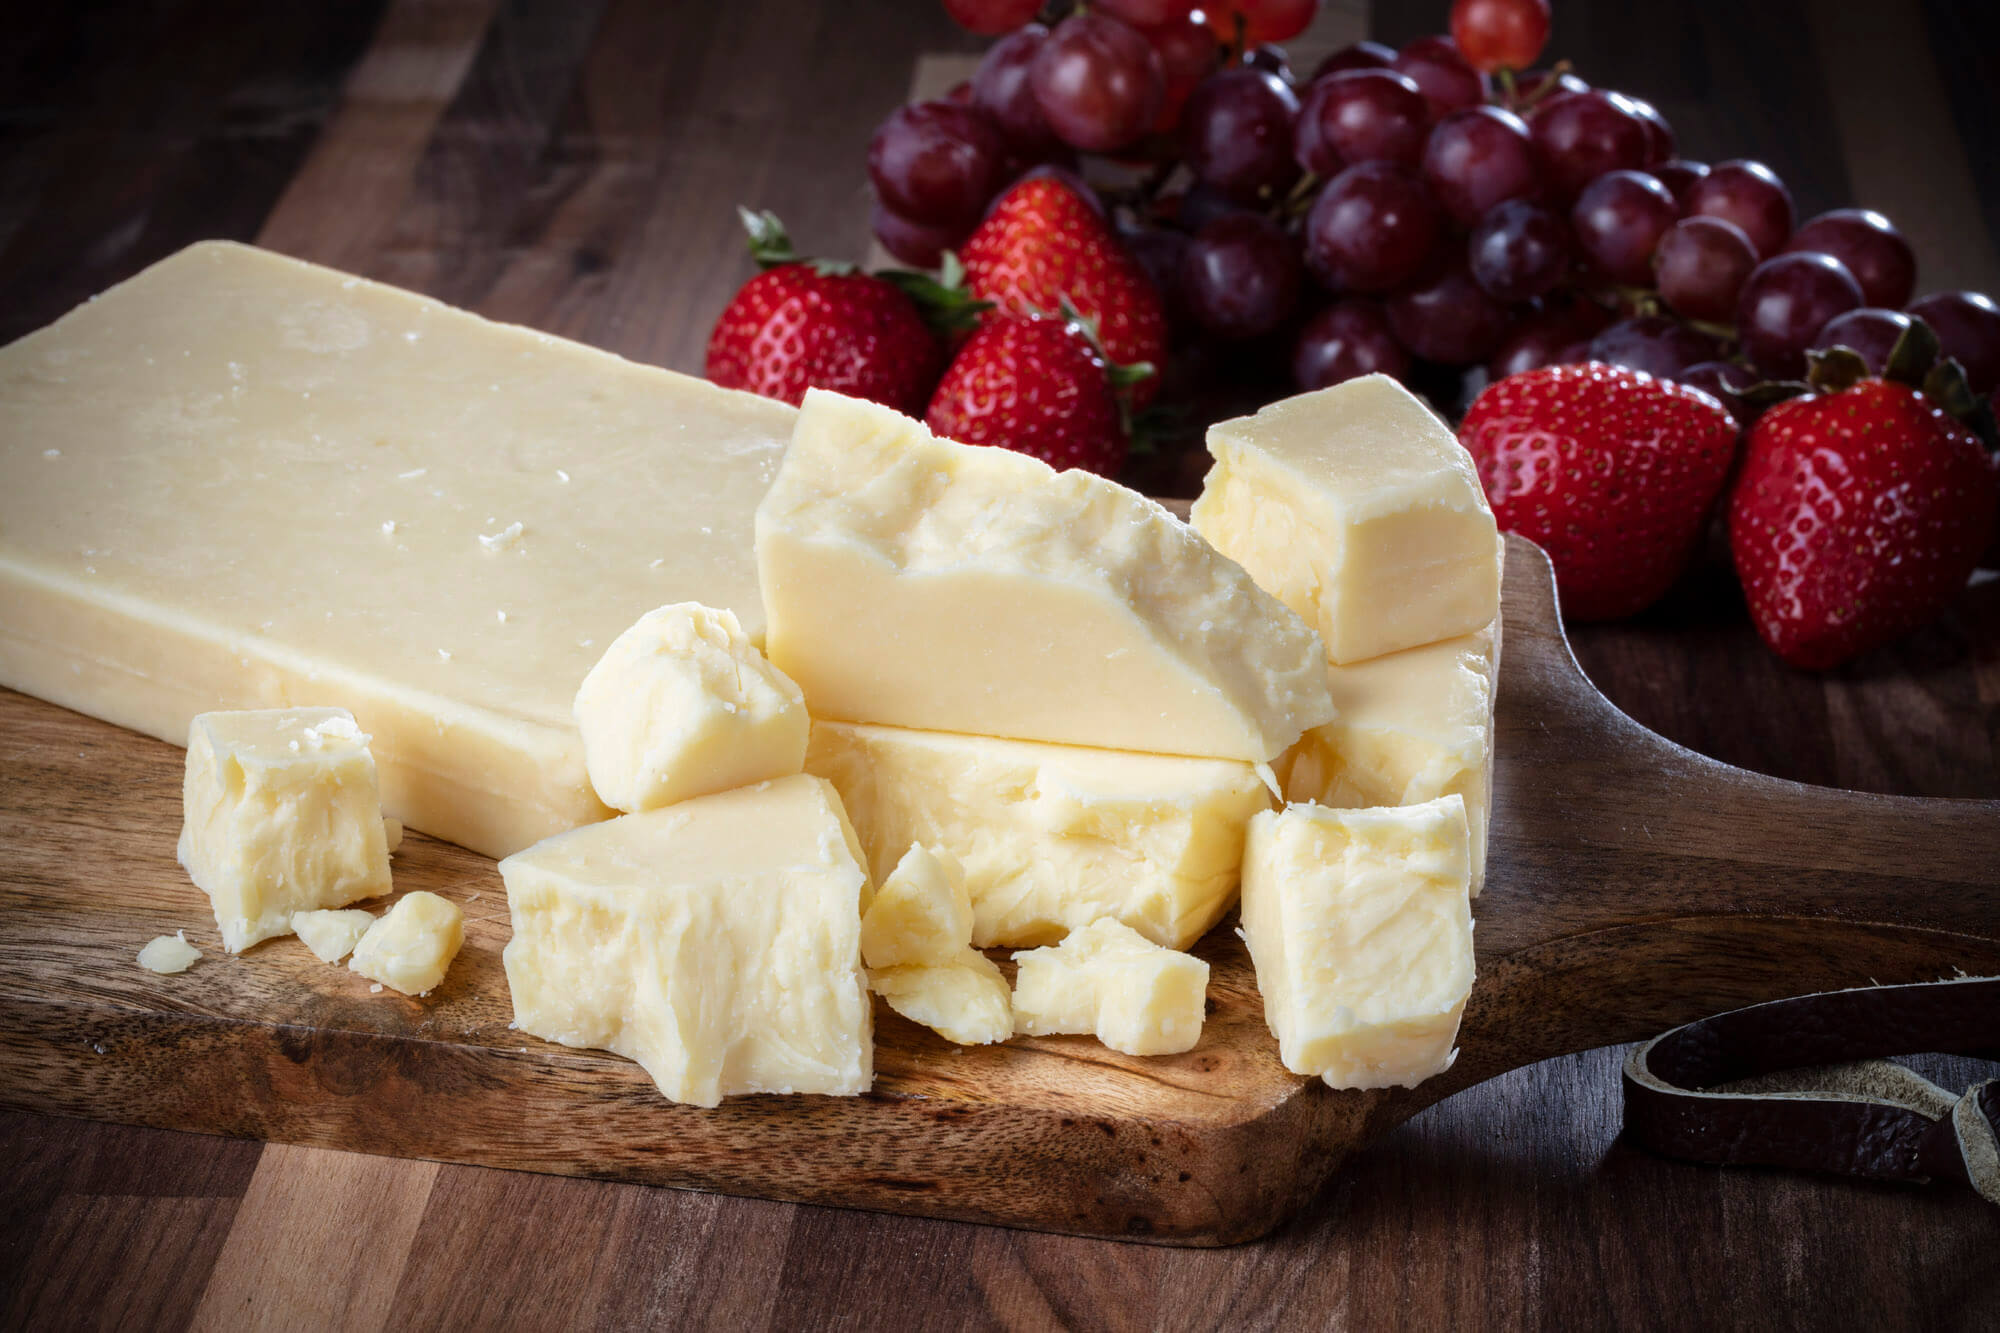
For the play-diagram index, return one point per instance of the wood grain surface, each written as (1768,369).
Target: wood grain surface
(573,166)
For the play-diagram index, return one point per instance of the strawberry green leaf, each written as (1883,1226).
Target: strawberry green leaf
(1915,352)
(1835,368)
(946,306)
(770,246)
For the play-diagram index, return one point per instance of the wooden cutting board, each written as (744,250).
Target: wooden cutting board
(1632,885)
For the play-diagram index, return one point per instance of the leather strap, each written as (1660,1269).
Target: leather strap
(1801,1083)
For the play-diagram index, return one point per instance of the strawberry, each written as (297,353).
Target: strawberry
(1043,244)
(1609,470)
(1035,385)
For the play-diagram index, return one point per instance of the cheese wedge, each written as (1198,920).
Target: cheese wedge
(1112,982)
(410,946)
(242,481)
(1360,927)
(1358,508)
(921,583)
(716,942)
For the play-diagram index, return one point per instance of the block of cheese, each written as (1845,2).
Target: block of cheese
(168,954)
(913,581)
(332,934)
(1413,726)
(1107,979)
(921,914)
(1360,927)
(717,942)
(1361,511)
(965,1001)
(410,946)
(1050,837)
(280,814)
(682,704)
(241,481)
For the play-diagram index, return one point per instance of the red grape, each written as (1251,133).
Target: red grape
(1500,34)
(1348,339)
(1519,250)
(990,18)
(1188,54)
(1368,115)
(1261,20)
(1448,318)
(1652,343)
(1679,176)
(1968,326)
(1001,89)
(1241,275)
(1361,55)
(1660,142)
(1725,381)
(1448,83)
(1477,158)
(1785,302)
(937,163)
(1701,266)
(1237,133)
(914,243)
(1541,85)
(1871,247)
(1580,136)
(1870,332)
(1272,59)
(1618,219)
(1099,82)
(1372,228)
(1147,13)
(1536,341)
(1159,251)
(1750,195)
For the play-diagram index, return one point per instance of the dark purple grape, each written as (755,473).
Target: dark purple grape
(1449,83)
(937,163)
(1701,265)
(1361,55)
(1159,251)
(1348,339)
(1477,158)
(1679,176)
(914,243)
(1271,59)
(1372,228)
(1725,381)
(1617,221)
(1968,326)
(1001,88)
(1533,88)
(1580,136)
(1785,302)
(1099,82)
(1870,331)
(1535,342)
(1660,141)
(1369,115)
(1654,344)
(1237,133)
(1871,247)
(1241,275)
(1448,318)
(1519,251)
(1573,354)
(1748,194)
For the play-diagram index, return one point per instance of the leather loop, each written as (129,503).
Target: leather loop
(1801,1083)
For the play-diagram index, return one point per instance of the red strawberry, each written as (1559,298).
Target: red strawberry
(1043,244)
(1858,516)
(1609,470)
(1033,385)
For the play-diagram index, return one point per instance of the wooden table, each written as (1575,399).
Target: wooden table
(571,166)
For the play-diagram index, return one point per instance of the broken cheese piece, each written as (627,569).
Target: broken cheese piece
(410,946)
(1358,508)
(1108,980)
(920,583)
(682,704)
(1359,925)
(168,954)
(965,1001)
(332,935)
(921,914)
(280,815)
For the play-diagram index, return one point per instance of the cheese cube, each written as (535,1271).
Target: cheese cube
(332,935)
(1109,980)
(916,582)
(921,914)
(168,954)
(682,704)
(410,946)
(717,942)
(1358,508)
(1050,837)
(964,1001)
(280,815)
(1359,924)
(1413,726)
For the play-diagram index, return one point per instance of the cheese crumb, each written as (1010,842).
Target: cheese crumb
(501,540)
(388,527)
(332,935)
(167,954)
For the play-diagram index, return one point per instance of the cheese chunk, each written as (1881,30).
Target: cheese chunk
(280,815)
(921,583)
(964,1001)
(682,704)
(240,481)
(921,914)
(717,942)
(168,954)
(332,935)
(1413,726)
(1359,924)
(410,945)
(1358,508)
(1050,837)
(1107,979)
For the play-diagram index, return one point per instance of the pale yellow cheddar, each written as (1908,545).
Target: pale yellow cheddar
(1413,726)
(965,1001)
(920,583)
(331,934)
(1109,981)
(241,481)
(921,914)
(1358,508)
(1360,927)
(410,947)
(682,704)
(281,814)
(1050,837)
(168,954)
(717,942)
